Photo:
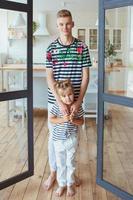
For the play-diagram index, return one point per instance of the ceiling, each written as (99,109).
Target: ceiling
(73,5)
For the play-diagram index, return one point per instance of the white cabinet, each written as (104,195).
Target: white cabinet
(81,34)
(90,99)
(16,33)
(116,39)
(90,37)
(40,87)
(93,39)
(117,80)
(93,83)
(17,108)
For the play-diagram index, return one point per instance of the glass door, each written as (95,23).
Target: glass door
(115,131)
(16,123)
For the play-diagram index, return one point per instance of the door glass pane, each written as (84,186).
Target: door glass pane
(118,147)
(118,52)
(13,50)
(19,1)
(13,138)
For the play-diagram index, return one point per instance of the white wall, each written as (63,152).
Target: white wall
(3,36)
(41,43)
(17,49)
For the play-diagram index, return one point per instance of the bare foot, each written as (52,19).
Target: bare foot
(77,181)
(59,191)
(70,191)
(49,182)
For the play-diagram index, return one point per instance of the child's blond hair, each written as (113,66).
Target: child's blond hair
(63,85)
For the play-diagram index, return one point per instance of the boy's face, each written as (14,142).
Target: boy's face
(65,25)
(67,96)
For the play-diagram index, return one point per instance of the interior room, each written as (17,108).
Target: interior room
(118,82)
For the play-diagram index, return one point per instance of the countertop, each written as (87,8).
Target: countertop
(110,69)
(22,67)
(39,67)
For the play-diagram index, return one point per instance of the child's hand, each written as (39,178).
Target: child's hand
(71,118)
(66,118)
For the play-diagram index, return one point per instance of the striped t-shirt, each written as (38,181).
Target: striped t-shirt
(61,131)
(67,62)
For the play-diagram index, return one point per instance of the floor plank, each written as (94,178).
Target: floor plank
(117,148)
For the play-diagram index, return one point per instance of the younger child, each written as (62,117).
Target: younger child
(65,137)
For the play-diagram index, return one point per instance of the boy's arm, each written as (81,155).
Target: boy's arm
(83,88)
(51,82)
(77,121)
(84,85)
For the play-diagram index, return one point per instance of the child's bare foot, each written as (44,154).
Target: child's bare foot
(49,182)
(59,191)
(77,181)
(70,191)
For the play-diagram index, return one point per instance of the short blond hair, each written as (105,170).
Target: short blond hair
(63,85)
(64,13)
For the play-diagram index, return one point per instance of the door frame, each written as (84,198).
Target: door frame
(104,97)
(27,93)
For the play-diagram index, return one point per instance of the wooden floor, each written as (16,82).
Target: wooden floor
(31,188)
(118,148)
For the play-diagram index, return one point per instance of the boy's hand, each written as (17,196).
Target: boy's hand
(74,108)
(63,108)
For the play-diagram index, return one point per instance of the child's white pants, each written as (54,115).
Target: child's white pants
(65,159)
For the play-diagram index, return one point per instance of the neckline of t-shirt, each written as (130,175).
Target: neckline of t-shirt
(74,39)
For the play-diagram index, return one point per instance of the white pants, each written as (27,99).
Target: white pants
(51,150)
(65,159)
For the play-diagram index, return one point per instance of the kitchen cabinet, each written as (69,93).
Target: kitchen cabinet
(90,99)
(16,33)
(13,72)
(114,35)
(40,91)
(15,80)
(117,80)
(117,39)
(93,39)
(90,37)
(81,34)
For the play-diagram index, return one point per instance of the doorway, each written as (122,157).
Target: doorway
(114,165)
(16,123)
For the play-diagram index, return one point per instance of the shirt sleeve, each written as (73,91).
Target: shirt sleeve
(49,63)
(86,61)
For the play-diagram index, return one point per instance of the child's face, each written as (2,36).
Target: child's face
(67,97)
(65,25)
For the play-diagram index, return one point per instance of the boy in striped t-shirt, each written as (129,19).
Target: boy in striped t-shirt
(66,58)
(64,137)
